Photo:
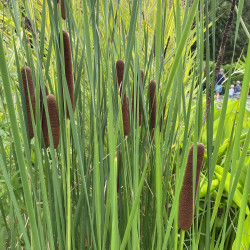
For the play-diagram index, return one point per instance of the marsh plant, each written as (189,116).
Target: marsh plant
(110,137)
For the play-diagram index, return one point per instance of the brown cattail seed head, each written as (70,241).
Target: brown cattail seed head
(186,198)
(62,9)
(125,116)
(119,71)
(29,89)
(68,68)
(54,122)
(133,96)
(152,103)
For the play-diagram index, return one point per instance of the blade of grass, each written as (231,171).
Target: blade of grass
(158,168)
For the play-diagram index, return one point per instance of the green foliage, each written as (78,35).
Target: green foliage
(222,9)
(100,189)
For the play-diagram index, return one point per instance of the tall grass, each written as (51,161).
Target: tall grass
(103,180)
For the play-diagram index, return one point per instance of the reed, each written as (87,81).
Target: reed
(186,198)
(125,115)
(29,89)
(68,68)
(54,122)
(133,96)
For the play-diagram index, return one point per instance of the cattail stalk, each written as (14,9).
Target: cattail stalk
(125,116)
(54,122)
(68,68)
(133,96)
(29,90)
(186,197)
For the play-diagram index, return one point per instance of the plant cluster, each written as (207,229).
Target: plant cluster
(102,153)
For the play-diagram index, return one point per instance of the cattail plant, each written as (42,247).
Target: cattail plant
(54,122)
(186,197)
(125,116)
(140,107)
(152,104)
(68,67)
(29,89)
(62,9)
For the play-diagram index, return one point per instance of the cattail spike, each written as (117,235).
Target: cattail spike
(125,116)
(152,100)
(119,71)
(186,197)
(68,68)
(200,157)
(29,89)
(54,122)
(62,9)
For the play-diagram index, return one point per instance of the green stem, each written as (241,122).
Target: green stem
(182,240)
(68,190)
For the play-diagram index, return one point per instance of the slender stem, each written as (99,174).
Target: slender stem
(68,189)
(182,240)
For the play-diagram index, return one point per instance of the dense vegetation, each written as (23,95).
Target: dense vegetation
(108,139)
(242,39)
